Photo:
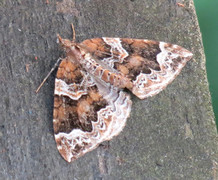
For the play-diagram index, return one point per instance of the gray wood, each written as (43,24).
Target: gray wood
(169,136)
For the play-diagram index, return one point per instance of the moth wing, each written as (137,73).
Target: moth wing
(150,65)
(86,111)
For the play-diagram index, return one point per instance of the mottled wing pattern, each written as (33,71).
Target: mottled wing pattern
(86,111)
(150,65)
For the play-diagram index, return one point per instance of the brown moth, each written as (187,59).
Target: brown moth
(90,105)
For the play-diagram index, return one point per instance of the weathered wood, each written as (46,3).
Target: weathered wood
(169,136)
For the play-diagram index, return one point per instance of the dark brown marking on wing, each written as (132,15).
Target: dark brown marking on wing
(142,57)
(77,114)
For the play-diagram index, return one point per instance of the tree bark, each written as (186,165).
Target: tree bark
(169,136)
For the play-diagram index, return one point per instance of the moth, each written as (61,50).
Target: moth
(90,104)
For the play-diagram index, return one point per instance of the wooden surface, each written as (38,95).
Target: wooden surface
(169,136)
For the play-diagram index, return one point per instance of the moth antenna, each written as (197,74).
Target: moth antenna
(74,33)
(56,64)
(59,38)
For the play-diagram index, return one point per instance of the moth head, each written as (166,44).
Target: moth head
(66,43)
(71,48)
